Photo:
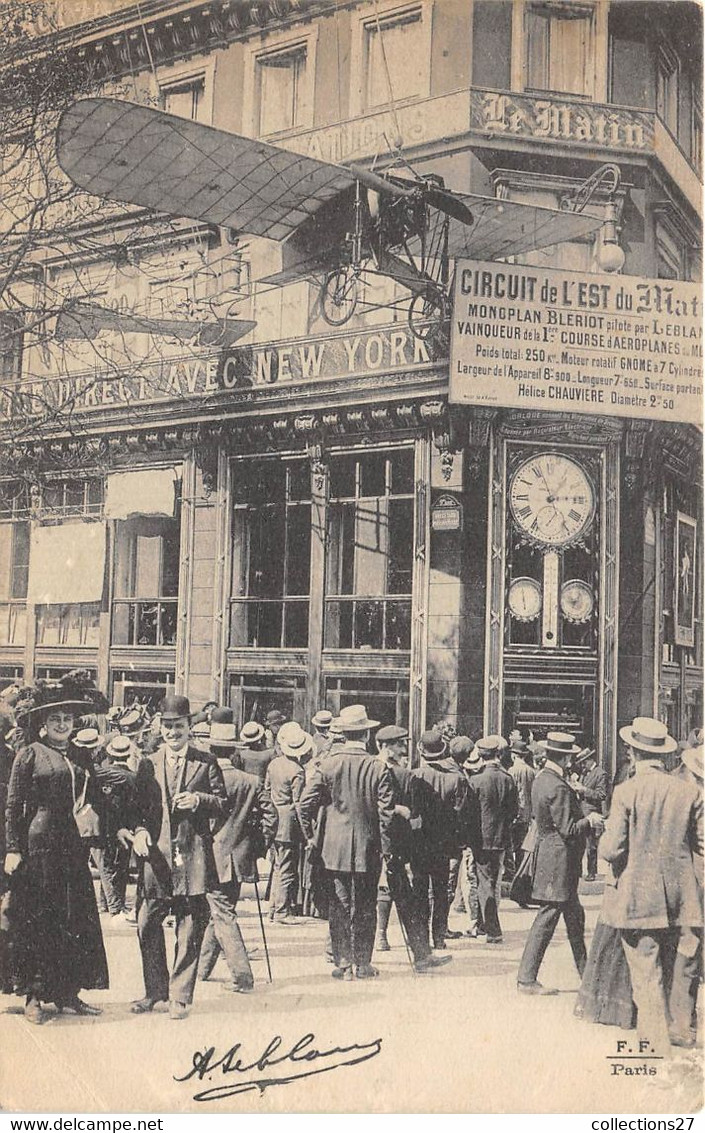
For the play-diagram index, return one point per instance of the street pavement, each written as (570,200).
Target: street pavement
(458,1040)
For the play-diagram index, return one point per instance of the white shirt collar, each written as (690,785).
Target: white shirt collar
(174,755)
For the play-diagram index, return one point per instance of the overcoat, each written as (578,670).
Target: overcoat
(181,861)
(446,824)
(243,836)
(653,838)
(356,793)
(495,793)
(284,783)
(560,838)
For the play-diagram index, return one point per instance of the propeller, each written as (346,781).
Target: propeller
(447,202)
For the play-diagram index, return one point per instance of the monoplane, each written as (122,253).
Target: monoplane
(341,225)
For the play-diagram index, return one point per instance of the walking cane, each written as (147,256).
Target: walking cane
(261,925)
(403,933)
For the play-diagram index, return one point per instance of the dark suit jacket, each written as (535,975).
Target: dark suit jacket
(560,838)
(284,783)
(496,806)
(446,823)
(653,839)
(597,790)
(181,861)
(357,796)
(248,828)
(256,762)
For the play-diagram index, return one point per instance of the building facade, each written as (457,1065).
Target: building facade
(308,516)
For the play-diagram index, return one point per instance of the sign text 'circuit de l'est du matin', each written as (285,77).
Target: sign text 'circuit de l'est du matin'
(605,344)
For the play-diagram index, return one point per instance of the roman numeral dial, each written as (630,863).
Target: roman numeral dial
(552,499)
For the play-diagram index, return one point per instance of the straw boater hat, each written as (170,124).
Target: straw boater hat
(354,718)
(88,739)
(223,732)
(120,747)
(75,692)
(559,743)
(251,732)
(322,719)
(293,740)
(646,734)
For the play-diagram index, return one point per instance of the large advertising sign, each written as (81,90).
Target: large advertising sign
(524,337)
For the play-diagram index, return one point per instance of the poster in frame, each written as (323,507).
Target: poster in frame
(684,581)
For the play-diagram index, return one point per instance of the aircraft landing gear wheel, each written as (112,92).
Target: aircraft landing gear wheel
(427,314)
(339,296)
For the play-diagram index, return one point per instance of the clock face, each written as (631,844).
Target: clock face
(524,599)
(577,600)
(552,499)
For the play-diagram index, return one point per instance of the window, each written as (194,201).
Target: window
(385,700)
(370,551)
(281,89)
(14,562)
(253,695)
(393,58)
(145,606)
(696,132)
(560,48)
(186,99)
(141,686)
(73,497)
(11,347)
(76,624)
(667,88)
(271,554)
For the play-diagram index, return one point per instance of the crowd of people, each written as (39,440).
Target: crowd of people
(193,805)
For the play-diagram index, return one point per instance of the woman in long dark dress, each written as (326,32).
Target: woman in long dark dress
(57,945)
(605,994)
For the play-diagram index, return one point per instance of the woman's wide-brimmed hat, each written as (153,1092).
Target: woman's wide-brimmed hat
(353,718)
(559,743)
(75,692)
(646,734)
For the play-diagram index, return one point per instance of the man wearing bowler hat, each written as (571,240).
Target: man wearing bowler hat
(393,747)
(445,831)
(238,841)
(654,842)
(356,794)
(560,834)
(179,790)
(592,786)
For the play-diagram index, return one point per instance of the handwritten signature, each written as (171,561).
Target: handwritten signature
(276,1053)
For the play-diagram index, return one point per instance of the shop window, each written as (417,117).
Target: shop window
(145,606)
(386,700)
(141,686)
(560,48)
(185,99)
(667,88)
(11,347)
(77,624)
(14,563)
(281,89)
(83,497)
(10,675)
(57,673)
(370,552)
(253,695)
(271,555)
(393,58)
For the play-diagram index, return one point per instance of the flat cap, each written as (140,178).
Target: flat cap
(391,732)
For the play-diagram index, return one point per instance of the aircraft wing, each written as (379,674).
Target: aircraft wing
(87,320)
(145,157)
(508,228)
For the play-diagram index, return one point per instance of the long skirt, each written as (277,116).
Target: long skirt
(56,943)
(605,994)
